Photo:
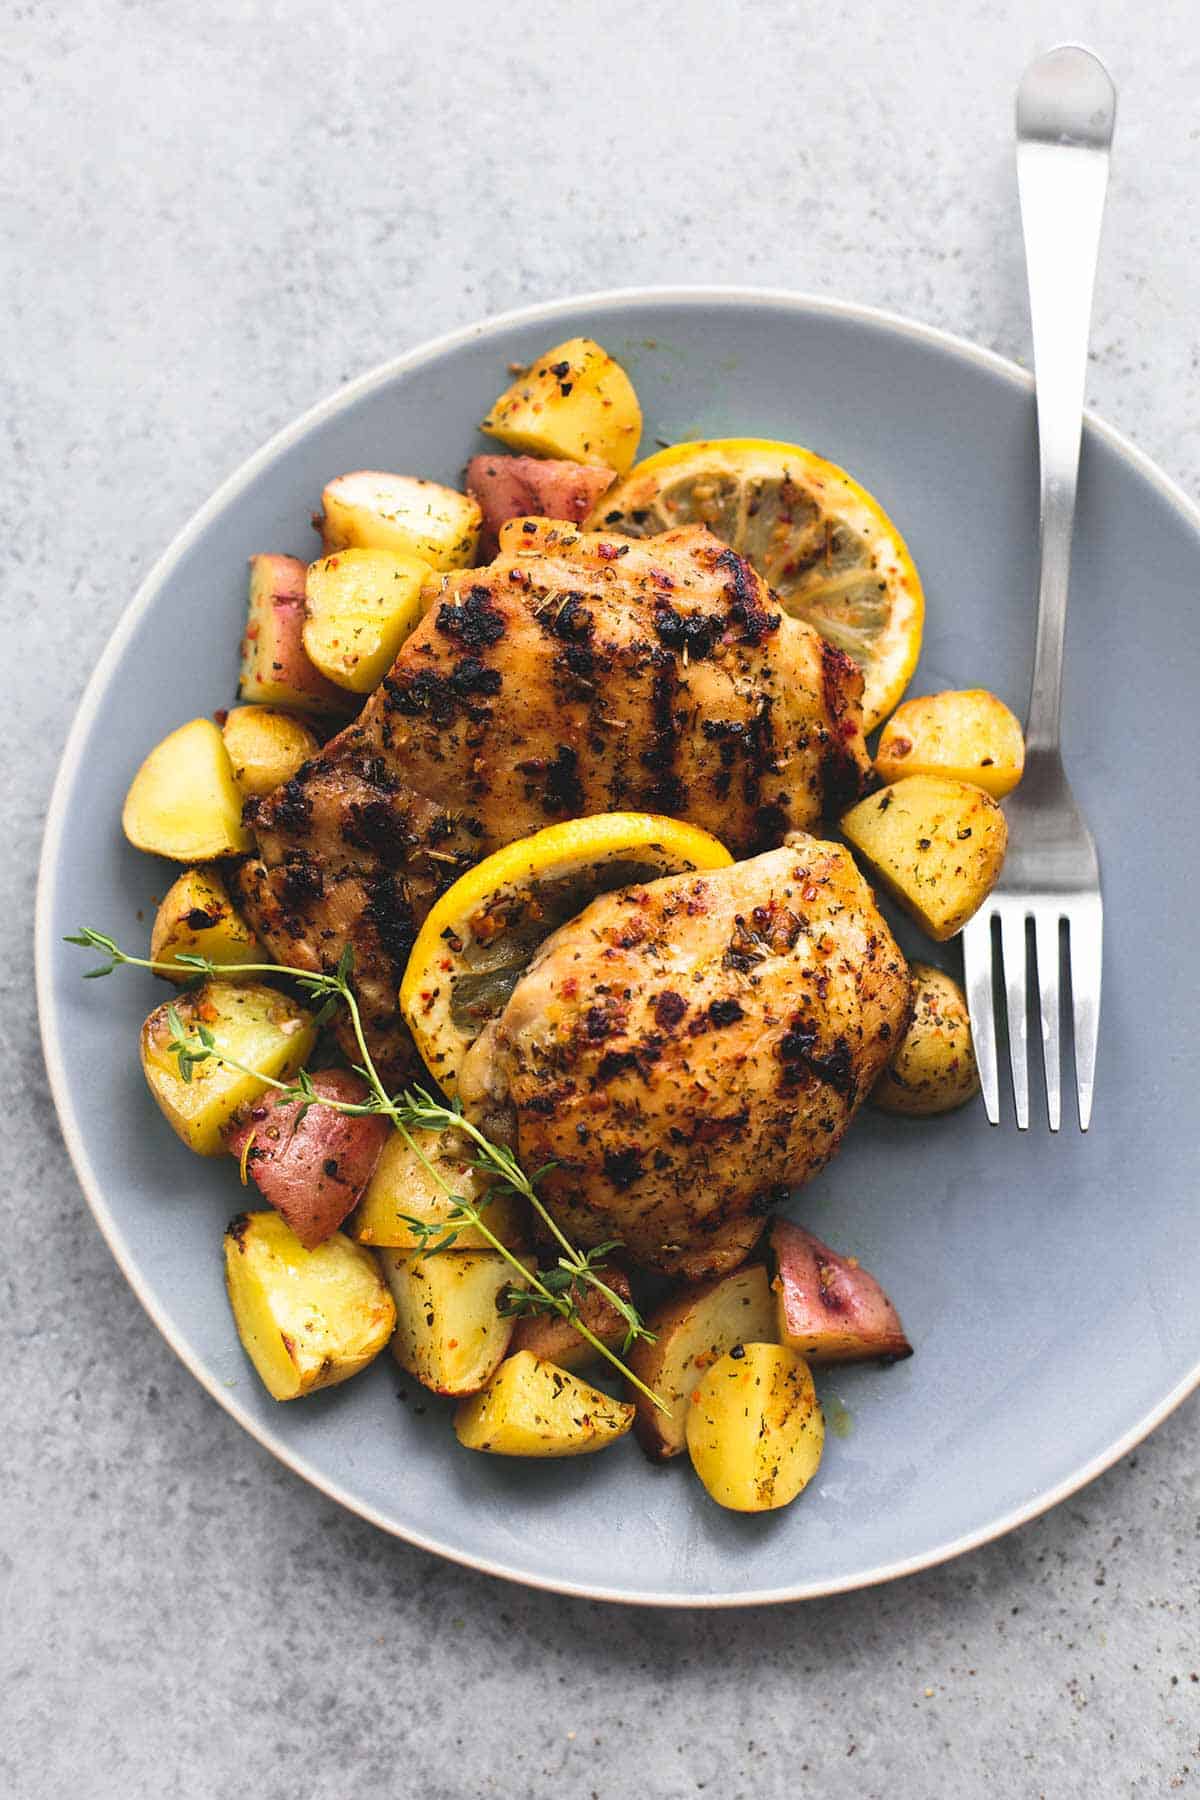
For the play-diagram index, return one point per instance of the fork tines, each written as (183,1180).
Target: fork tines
(1060,933)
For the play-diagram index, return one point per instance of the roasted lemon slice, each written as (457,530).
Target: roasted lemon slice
(481,934)
(822,542)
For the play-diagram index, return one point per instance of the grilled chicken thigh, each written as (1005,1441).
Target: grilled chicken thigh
(579,673)
(683,1049)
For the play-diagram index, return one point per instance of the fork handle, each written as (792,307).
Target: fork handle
(1066,107)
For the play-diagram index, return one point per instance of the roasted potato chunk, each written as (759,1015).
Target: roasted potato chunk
(754,1429)
(691,1331)
(311,1161)
(276,670)
(371,510)
(969,736)
(360,607)
(196,916)
(936,845)
(251,1023)
(403,1188)
(829,1308)
(450,1332)
(576,403)
(533,1408)
(183,802)
(266,747)
(554,1339)
(934,1068)
(307,1318)
(518,487)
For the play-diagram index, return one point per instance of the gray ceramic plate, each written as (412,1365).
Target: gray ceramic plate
(1048,1284)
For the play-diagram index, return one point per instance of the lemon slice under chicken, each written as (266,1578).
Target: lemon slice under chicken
(479,937)
(822,542)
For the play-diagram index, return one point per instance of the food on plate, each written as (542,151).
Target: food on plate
(686,1045)
(482,933)
(578,674)
(371,510)
(307,1319)
(828,1307)
(196,918)
(755,1431)
(450,1331)
(266,746)
(310,1161)
(933,1069)
(535,1408)
(692,1330)
(276,670)
(935,844)
(574,402)
(970,736)
(249,1023)
(183,802)
(515,487)
(360,606)
(825,546)
(408,1192)
(517,863)
(554,1339)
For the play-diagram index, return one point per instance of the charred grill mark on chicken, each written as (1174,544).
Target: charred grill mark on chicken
(578,673)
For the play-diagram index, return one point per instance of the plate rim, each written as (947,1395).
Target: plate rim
(45,947)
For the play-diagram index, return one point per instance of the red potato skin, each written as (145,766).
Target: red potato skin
(283,576)
(312,1168)
(516,487)
(830,1309)
(273,644)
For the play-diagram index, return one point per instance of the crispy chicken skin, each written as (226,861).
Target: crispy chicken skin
(580,672)
(682,1049)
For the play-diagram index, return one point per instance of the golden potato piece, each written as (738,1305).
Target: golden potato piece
(576,403)
(936,845)
(402,1188)
(970,736)
(265,747)
(254,1024)
(450,1332)
(691,1331)
(533,1408)
(554,1339)
(754,1429)
(183,802)
(360,607)
(371,510)
(307,1318)
(197,916)
(934,1068)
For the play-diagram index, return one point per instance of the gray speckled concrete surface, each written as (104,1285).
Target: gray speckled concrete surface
(214,212)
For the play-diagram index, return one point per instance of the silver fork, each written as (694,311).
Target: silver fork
(1050,885)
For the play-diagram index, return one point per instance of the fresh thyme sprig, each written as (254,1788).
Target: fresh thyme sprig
(577,1268)
(549,1291)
